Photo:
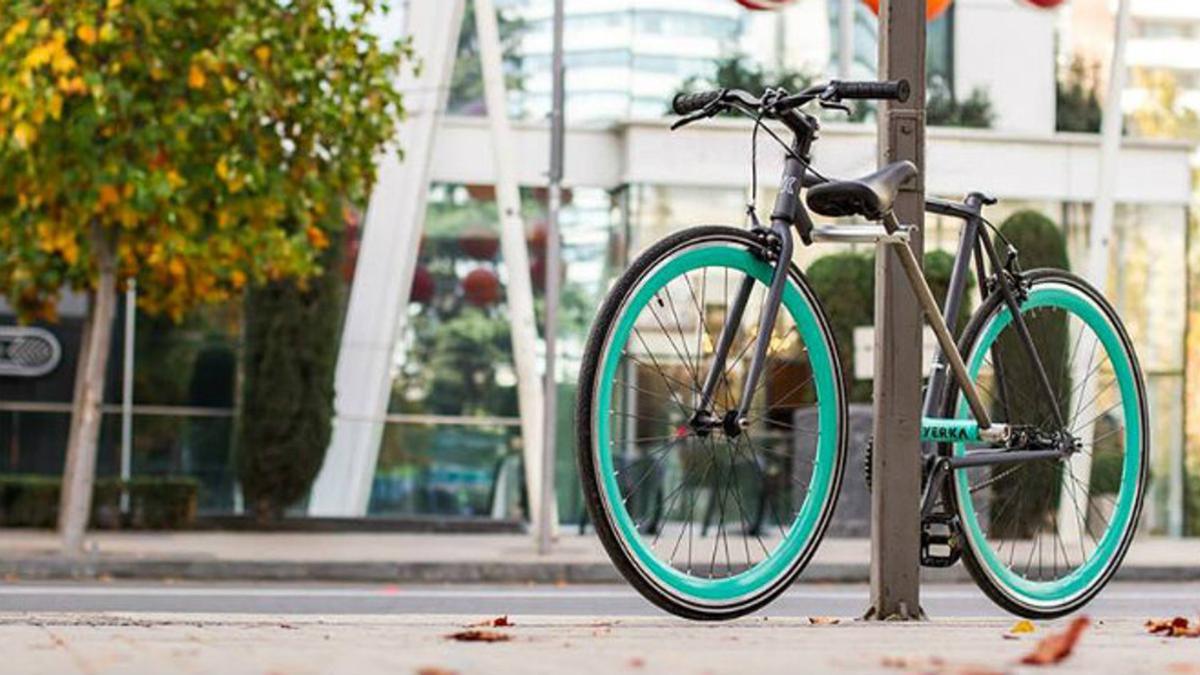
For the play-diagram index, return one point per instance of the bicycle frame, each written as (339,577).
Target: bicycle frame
(974,245)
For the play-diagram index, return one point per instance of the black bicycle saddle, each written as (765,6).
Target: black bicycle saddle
(870,196)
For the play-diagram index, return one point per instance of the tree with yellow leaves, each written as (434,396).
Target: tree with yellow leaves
(193,146)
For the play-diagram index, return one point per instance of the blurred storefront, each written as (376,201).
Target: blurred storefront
(451,442)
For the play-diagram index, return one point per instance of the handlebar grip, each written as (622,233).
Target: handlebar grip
(685,104)
(897,90)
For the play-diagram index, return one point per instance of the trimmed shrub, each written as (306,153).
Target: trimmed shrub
(286,415)
(1040,243)
(166,502)
(845,283)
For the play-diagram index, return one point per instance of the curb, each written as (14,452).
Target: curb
(432,572)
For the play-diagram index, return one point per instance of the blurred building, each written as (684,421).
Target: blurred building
(1164,37)
(451,443)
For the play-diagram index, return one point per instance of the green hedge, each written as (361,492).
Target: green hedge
(154,502)
(845,283)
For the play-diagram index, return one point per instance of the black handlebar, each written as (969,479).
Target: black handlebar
(884,91)
(898,90)
(685,104)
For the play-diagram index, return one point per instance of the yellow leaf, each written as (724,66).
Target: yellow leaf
(176,268)
(108,33)
(108,197)
(175,180)
(317,238)
(72,86)
(56,104)
(1022,626)
(25,134)
(263,54)
(196,77)
(18,29)
(237,278)
(114,5)
(222,169)
(86,34)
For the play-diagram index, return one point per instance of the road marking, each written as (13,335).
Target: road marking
(483,593)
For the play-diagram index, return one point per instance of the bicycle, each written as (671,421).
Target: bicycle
(1034,421)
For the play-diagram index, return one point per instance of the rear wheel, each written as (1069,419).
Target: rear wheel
(1043,537)
(708,524)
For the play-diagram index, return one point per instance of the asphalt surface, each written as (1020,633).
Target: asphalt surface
(942,601)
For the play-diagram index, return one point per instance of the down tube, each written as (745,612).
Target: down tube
(940,430)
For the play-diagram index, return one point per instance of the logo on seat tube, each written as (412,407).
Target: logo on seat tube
(789,185)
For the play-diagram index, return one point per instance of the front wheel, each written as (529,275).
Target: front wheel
(1043,537)
(708,523)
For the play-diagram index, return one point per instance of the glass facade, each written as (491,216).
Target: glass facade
(452,444)
(184,379)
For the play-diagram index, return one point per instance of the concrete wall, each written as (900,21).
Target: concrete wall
(1008,49)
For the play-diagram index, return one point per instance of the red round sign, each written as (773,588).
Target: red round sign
(764,4)
(933,8)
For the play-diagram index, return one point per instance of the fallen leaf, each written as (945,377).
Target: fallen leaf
(1023,626)
(636,662)
(935,665)
(434,670)
(1177,627)
(1057,646)
(823,621)
(476,635)
(498,622)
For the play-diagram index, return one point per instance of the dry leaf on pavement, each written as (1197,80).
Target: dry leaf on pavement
(476,635)
(498,622)
(1057,646)
(935,665)
(1177,627)
(434,670)
(823,620)
(1022,626)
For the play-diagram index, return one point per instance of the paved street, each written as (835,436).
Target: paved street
(1120,600)
(173,627)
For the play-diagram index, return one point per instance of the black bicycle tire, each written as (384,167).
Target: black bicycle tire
(949,401)
(597,338)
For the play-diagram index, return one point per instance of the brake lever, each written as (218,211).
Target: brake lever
(831,105)
(684,121)
(710,110)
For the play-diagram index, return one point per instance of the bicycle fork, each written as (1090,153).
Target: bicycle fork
(780,245)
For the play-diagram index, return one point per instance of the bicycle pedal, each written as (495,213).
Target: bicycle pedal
(939,540)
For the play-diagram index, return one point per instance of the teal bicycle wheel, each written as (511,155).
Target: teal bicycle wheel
(708,525)
(1041,538)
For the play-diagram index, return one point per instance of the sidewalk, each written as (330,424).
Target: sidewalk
(433,558)
(147,643)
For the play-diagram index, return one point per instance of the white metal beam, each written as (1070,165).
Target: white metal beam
(1054,167)
(383,278)
(1073,502)
(518,285)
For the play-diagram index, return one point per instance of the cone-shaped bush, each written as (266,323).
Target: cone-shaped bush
(1040,243)
(292,331)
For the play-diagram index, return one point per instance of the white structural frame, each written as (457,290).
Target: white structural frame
(387,258)
(1055,167)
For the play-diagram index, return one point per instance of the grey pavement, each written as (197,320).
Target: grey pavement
(432,558)
(203,643)
(142,627)
(804,599)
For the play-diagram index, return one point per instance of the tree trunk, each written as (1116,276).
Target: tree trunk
(80,470)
